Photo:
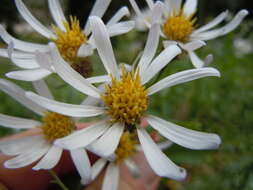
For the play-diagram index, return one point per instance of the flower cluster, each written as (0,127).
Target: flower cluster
(121,97)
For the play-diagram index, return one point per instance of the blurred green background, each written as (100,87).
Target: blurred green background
(220,105)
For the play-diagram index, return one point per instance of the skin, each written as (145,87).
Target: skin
(25,178)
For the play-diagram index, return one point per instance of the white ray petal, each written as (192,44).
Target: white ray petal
(72,77)
(122,12)
(103,45)
(83,137)
(99,9)
(42,59)
(27,157)
(25,63)
(21,45)
(42,89)
(132,167)
(196,61)
(150,48)
(193,45)
(185,137)
(99,79)
(16,54)
(120,28)
(190,7)
(158,161)
(156,12)
(29,75)
(82,164)
(32,20)
(175,5)
(50,160)
(217,20)
(160,62)
(85,50)
(108,142)
(64,108)
(20,145)
(182,77)
(97,167)
(136,8)
(111,179)
(17,123)
(232,25)
(19,95)
(57,13)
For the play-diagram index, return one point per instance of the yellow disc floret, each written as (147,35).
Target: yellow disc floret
(68,42)
(126,146)
(56,126)
(179,27)
(126,99)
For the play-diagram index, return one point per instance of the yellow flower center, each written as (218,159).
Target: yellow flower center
(179,27)
(56,126)
(126,99)
(70,41)
(126,146)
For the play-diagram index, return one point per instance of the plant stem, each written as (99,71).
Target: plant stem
(57,180)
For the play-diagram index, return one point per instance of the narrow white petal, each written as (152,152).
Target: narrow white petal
(232,25)
(25,63)
(27,157)
(57,13)
(29,75)
(83,137)
(17,123)
(16,54)
(196,61)
(164,145)
(108,142)
(103,45)
(42,59)
(217,20)
(82,163)
(120,28)
(98,10)
(150,47)
(182,77)
(42,89)
(167,43)
(50,160)
(156,12)
(157,160)
(64,108)
(175,5)
(160,62)
(185,137)
(85,50)
(97,167)
(133,167)
(19,95)
(21,45)
(72,77)
(20,145)
(123,11)
(111,179)
(136,8)
(32,20)
(190,7)
(99,79)
(193,45)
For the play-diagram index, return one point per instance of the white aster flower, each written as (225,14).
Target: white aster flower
(125,100)
(40,145)
(74,43)
(178,25)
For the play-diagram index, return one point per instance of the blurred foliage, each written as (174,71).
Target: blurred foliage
(220,105)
